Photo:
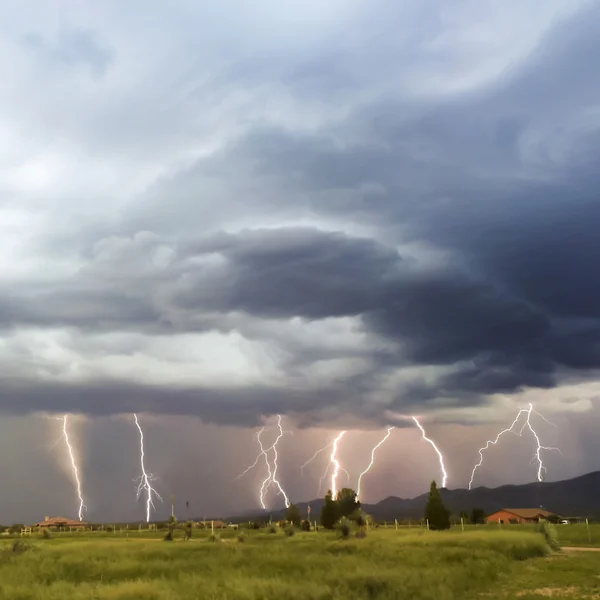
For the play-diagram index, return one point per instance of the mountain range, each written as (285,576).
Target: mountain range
(570,497)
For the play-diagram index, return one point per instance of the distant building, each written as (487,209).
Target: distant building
(60,522)
(217,524)
(518,515)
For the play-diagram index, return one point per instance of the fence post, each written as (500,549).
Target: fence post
(427,524)
(396,523)
(462,523)
(587,526)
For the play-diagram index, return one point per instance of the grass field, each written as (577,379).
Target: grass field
(410,563)
(386,564)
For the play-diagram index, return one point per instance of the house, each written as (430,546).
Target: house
(518,515)
(217,524)
(60,522)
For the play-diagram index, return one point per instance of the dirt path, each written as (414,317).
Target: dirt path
(579,549)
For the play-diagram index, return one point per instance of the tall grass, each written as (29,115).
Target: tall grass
(439,566)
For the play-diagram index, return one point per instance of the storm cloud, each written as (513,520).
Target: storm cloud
(389,213)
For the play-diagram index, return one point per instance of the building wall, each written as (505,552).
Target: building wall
(505,517)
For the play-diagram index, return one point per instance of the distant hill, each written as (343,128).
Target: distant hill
(571,497)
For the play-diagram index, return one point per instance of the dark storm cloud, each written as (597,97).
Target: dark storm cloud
(500,180)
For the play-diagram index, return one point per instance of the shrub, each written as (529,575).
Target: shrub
(305,525)
(46,534)
(548,530)
(19,546)
(361,533)
(169,535)
(214,537)
(241,538)
(290,531)
(343,528)
(272,529)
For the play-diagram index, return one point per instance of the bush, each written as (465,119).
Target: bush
(290,531)
(305,525)
(241,538)
(343,528)
(46,534)
(215,537)
(361,533)
(19,546)
(548,530)
(168,536)
(272,529)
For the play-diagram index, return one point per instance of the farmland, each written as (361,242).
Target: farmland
(388,563)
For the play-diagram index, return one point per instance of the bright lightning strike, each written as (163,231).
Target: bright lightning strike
(74,468)
(387,435)
(271,478)
(539,447)
(440,455)
(275,458)
(145,479)
(335,462)
(537,454)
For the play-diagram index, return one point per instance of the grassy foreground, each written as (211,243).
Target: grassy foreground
(386,564)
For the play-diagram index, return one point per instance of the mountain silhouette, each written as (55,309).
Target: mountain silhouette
(570,497)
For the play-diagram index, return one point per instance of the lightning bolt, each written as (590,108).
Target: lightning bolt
(387,435)
(537,454)
(145,479)
(271,478)
(74,468)
(314,456)
(440,455)
(335,462)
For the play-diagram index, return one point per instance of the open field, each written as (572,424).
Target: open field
(411,563)
(386,564)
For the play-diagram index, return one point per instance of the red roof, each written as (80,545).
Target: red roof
(60,522)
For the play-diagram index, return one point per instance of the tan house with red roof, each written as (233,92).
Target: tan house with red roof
(60,522)
(518,515)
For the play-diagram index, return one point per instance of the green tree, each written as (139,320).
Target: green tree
(293,515)
(464,515)
(477,515)
(435,511)
(346,501)
(329,512)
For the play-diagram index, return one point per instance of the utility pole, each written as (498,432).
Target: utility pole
(173,506)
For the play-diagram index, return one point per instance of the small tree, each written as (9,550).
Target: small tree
(477,515)
(171,527)
(464,515)
(329,512)
(435,511)
(293,515)
(347,503)
(188,530)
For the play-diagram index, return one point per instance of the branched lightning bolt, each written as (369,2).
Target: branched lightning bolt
(387,435)
(74,468)
(314,456)
(333,460)
(493,443)
(145,479)
(527,424)
(271,477)
(275,457)
(440,455)
(539,447)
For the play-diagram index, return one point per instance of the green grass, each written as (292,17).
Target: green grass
(408,564)
(571,575)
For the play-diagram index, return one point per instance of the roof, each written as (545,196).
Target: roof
(56,521)
(525,513)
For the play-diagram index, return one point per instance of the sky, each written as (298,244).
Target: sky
(345,213)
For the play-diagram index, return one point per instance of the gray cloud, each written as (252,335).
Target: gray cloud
(446,222)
